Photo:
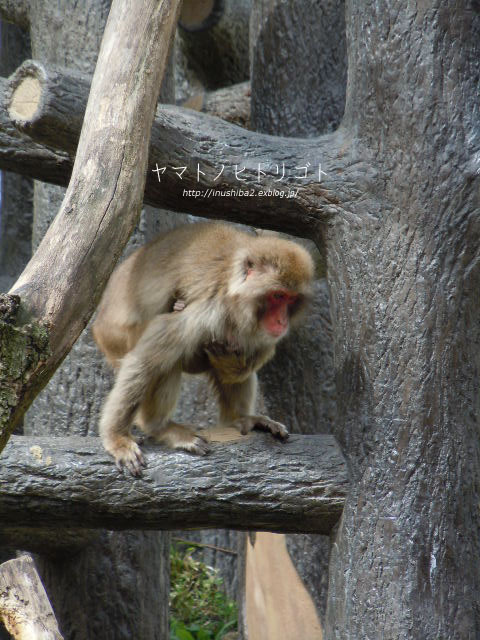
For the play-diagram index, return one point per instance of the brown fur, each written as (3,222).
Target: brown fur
(184,303)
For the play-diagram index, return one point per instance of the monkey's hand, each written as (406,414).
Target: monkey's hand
(179,305)
(245,424)
(127,454)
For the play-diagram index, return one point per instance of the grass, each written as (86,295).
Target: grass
(199,607)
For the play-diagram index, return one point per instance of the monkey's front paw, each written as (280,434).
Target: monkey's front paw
(247,423)
(179,305)
(128,455)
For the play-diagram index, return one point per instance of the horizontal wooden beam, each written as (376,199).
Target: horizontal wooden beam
(198,164)
(256,483)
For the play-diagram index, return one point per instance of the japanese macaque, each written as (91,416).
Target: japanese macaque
(203,298)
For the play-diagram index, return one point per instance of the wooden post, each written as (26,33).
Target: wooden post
(25,608)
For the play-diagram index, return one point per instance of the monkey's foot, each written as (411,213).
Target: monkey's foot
(127,454)
(198,446)
(180,436)
(247,423)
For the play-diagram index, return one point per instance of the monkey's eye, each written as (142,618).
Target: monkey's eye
(283,297)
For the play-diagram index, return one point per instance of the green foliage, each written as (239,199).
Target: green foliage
(199,608)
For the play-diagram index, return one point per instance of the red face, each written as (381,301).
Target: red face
(275,319)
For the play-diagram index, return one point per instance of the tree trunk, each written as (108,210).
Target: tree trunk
(299,384)
(404,284)
(298,54)
(214,39)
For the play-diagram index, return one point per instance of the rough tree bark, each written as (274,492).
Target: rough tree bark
(255,483)
(404,285)
(309,92)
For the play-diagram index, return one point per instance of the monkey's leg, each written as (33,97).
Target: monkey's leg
(153,416)
(163,345)
(237,404)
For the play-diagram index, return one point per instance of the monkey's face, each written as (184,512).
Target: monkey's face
(276,312)
(270,282)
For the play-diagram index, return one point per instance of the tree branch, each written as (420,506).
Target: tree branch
(211,150)
(20,154)
(230,103)
(257,483)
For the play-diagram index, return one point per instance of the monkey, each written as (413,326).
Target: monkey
(204,298)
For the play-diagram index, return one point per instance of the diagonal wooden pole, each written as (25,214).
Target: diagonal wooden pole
(62,283)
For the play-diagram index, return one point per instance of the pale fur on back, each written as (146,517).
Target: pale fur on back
(202,262)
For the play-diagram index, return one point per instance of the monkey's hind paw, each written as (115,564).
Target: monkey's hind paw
(198,446)
(129,456)
(263,423)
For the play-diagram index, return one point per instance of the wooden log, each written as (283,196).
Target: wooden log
(22,155)
(51,97)
(24,605)
(254,483)
(229,103)
(203,144)
(49,104)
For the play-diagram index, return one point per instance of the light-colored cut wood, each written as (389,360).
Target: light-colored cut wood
(25,608)
(26,98)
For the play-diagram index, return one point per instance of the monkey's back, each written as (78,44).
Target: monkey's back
(187,263)
(202,262)
(194,262)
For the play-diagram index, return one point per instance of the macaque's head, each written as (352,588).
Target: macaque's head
(271,281)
